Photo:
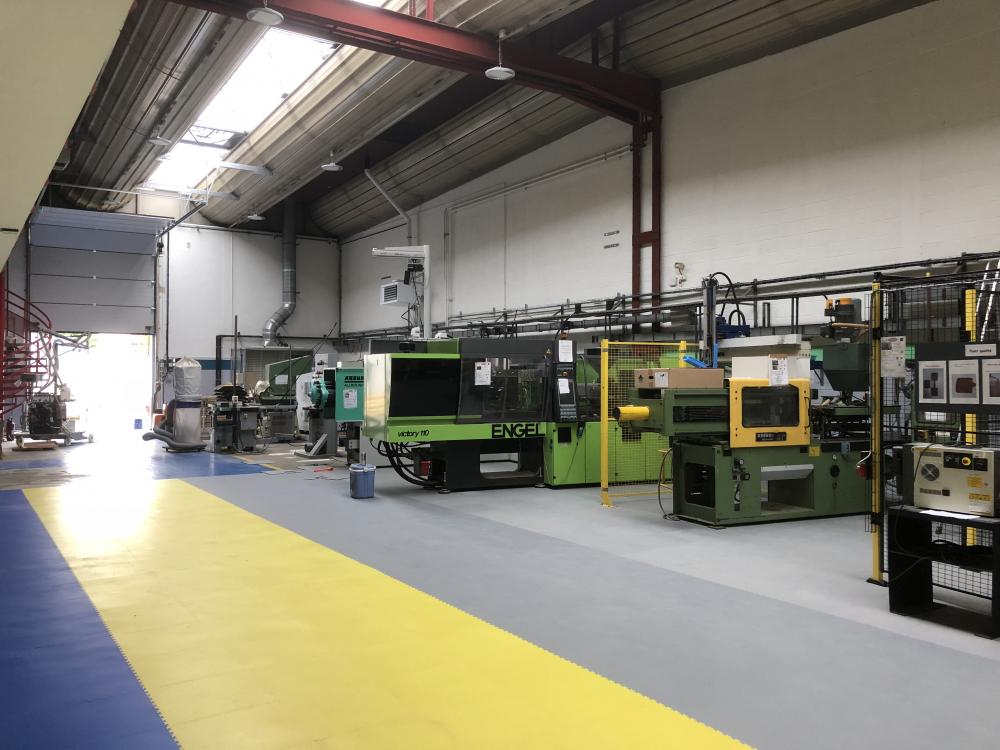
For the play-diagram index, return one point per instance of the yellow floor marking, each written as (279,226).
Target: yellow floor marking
(247,635)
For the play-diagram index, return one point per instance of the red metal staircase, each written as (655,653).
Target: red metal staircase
(27,341)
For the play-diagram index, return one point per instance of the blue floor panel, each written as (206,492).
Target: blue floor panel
(63,681)
(35,463)
(164,465)
(146,460)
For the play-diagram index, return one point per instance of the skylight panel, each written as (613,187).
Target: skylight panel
(278,64)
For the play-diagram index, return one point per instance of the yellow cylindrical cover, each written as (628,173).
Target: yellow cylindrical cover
(631,413)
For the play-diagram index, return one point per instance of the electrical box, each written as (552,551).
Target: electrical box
(350,394)
(397,293)
(958,479)
(678,377)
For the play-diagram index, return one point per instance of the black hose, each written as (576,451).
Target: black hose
(406,477)
(171,443)
(406,474)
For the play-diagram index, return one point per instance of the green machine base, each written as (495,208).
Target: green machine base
(724,486)
(572,455)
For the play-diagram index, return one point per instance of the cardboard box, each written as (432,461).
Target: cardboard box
(679,377)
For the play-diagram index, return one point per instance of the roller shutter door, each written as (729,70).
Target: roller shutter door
(94,272)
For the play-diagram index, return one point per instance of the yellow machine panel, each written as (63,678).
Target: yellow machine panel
(761,414)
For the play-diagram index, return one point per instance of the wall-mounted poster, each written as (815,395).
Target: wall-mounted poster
(963,381)
(933,382)
(894,356)
(991,381)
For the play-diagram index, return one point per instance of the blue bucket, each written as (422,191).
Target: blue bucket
(362,481)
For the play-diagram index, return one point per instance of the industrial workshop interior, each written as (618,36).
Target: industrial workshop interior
(499,374)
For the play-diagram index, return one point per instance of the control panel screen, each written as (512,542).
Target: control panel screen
(567,394)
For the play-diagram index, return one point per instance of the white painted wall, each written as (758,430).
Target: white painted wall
(879,144)
(532,245)
(217,274)
(876,145)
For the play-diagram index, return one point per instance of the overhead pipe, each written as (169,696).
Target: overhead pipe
(652,313)
(288,273)
(181,219)
(396,207)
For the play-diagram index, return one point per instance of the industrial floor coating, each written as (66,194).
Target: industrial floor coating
(217,608)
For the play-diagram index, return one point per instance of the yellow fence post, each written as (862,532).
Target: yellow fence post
(876,432)
(971,422)
(605,497)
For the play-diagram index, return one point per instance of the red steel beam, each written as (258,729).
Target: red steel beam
(611,92)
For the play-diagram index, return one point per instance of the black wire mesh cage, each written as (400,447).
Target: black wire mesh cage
(924,326)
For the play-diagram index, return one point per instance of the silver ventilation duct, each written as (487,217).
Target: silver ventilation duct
(288,281)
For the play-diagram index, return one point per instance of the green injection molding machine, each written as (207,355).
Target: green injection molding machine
(441,409)
(338,409)
(722,484)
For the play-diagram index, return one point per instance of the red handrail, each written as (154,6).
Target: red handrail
(24,355)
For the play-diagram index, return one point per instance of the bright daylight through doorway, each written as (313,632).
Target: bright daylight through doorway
(111,383)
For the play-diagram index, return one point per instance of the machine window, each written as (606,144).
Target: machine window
(424,387)
(771,406)
(517,391)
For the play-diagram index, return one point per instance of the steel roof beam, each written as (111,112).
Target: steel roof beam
(622,95)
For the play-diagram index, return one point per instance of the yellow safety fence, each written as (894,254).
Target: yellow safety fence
(630,460)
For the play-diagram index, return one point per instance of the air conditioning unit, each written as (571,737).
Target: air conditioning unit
(397,293)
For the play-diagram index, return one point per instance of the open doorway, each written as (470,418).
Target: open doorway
(111,384)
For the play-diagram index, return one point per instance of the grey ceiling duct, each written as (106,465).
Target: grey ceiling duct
(288,281)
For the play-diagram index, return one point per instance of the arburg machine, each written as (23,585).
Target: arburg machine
(438,407)
(338,402)
(756,449)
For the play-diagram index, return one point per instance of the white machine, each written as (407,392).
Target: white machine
(958,479)
(181,430)
(303,401)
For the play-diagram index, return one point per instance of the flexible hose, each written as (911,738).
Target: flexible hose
(409,476)
(171,443)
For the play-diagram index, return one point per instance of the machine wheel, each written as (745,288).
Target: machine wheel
(90,438)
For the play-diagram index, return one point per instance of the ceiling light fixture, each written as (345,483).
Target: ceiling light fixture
(159,140)
(265,16)
(145,189)
(332,165)
(500,72)
(255,217)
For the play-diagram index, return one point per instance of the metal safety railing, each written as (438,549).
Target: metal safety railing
(27,350)
(631,460)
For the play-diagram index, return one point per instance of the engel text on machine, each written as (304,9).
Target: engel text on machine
(518,430)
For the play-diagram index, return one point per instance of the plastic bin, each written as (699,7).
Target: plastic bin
(362,481)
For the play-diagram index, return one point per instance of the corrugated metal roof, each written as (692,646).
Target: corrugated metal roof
(167,63)
(355,96)
(675,41)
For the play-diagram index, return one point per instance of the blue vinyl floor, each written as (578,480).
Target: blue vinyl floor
(62,672)
(64,683)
